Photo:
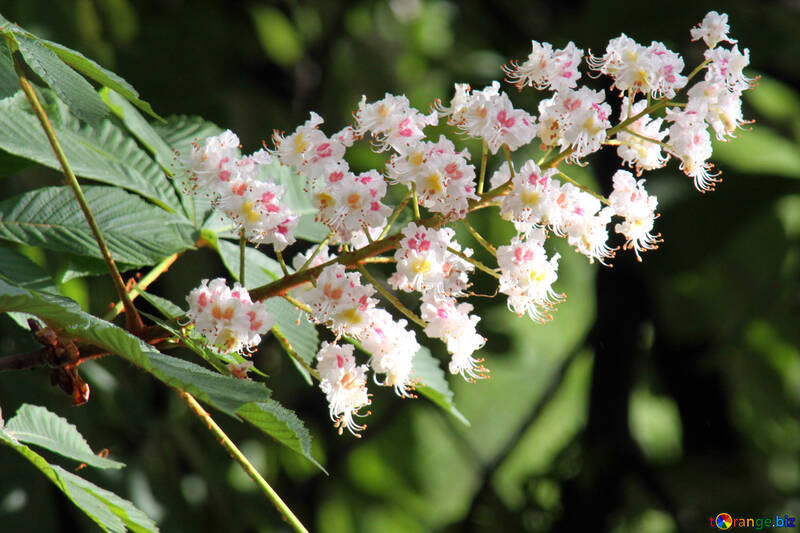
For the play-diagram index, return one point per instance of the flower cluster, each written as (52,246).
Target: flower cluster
(226,317)
(254,206)
(539,198)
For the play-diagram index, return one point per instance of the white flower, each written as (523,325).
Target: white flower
(393,348)
(728,67)
(713,29)
(545,68)
(527,276)
(309,150)
(630,200)
(576,119)
(690,141)
(213,163)
(530,200)
(723,106)
(255,207)
(634,149)
(392,122)
(425,265)
(227,318)
(452,323)
(344,384)
(340,301)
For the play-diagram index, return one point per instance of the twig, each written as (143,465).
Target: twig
(133,320)
(142,285)
(239,457)
(392,298)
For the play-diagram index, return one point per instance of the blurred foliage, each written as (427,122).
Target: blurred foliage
(661,394)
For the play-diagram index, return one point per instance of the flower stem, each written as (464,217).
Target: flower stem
(478,264)
(478,237)
(484,158)
(392,298)
(145,282)
(648,139)
(508,158)
(397,211)
(297,303)
(282,262)
(416,201)
(242,248)
(246,465)
(133,321)
(697,69)
(584,188)
(316,252)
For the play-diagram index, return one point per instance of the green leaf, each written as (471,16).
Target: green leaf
(36,425)
(433,384)
(140,128)
(137,233)
(70,86)
(761,151)
(108,510)
(294,324)
(164,306)
(259,269)
(24,272)
(104,153)
(282,425)
(297,199)
(9,83)
(229,395)
(89,68)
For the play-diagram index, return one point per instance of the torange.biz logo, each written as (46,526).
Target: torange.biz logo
(727,521)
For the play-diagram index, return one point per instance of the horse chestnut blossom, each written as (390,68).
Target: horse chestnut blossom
(226,317)
(344,384)
(664,114)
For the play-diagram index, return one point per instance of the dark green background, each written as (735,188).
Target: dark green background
(662,394)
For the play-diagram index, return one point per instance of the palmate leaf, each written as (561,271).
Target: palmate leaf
(235,397)
(104,153)
(70,86)
(137,233)
(109,511)
(36,425)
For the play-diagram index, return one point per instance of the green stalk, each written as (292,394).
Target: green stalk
(416,201)
(392,298)
(478,237)
(508,158)
(397,211)
(475,262)
(137,289)
(246,465)
(484,158)
(282,262)
(242,248)
(316,252)
(584,188)
(133,320)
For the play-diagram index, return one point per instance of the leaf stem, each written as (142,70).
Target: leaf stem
(478,237)
(475,262)
(239,457)
(133,321)
(392,298)
(142,285)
